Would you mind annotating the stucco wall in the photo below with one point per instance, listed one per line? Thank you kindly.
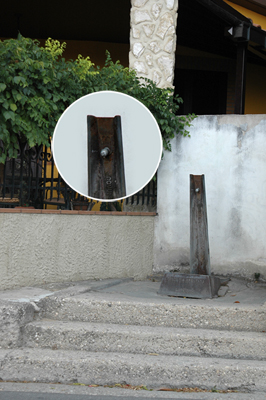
(153, 39)
(230, 151)
(52, 247)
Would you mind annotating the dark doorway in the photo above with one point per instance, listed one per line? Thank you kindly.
(203, 92)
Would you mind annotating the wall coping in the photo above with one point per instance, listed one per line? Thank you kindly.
(73, 212)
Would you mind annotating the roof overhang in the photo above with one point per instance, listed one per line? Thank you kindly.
(246, 35)
(239, 27)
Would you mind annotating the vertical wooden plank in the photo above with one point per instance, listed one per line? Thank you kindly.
(106, 176)
(199, 240)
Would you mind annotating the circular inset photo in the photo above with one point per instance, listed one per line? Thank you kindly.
(107, 146)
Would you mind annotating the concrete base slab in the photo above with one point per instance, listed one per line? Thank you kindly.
(189, 285)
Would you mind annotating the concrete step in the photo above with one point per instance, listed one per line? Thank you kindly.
(95, 337)
(65, 366)
(105, 308)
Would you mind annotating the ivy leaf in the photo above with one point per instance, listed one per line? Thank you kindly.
(17, 79)
(6, 105)
(8, 115)
(2, 87)
(2, 158)
(13, 107)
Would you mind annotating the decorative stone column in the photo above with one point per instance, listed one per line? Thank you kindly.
(153, 40)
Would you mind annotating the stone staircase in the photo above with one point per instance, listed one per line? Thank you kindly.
(108, 338)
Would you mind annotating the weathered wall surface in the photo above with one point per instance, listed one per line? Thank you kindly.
(39, 248)
(153, 39)
(230, 151)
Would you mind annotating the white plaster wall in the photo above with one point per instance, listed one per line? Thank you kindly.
(39, 248)
(230, 151)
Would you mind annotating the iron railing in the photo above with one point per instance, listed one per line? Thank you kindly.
(32, 179)
(145, 197)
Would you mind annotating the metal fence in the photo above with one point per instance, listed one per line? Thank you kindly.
(32, 180)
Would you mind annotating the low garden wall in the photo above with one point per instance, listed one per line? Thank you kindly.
(44, 246)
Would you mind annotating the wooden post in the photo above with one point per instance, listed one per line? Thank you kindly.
(199, 283)
(199, 241)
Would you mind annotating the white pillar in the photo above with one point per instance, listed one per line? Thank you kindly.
(153, 40)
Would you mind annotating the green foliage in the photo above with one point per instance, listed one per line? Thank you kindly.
(37, 84)
(55, 48)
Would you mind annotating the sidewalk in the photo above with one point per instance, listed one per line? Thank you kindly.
(237, 293)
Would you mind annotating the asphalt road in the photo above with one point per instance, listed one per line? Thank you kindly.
(58, 396)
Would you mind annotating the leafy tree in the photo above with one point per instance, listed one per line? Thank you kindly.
(37, 84)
